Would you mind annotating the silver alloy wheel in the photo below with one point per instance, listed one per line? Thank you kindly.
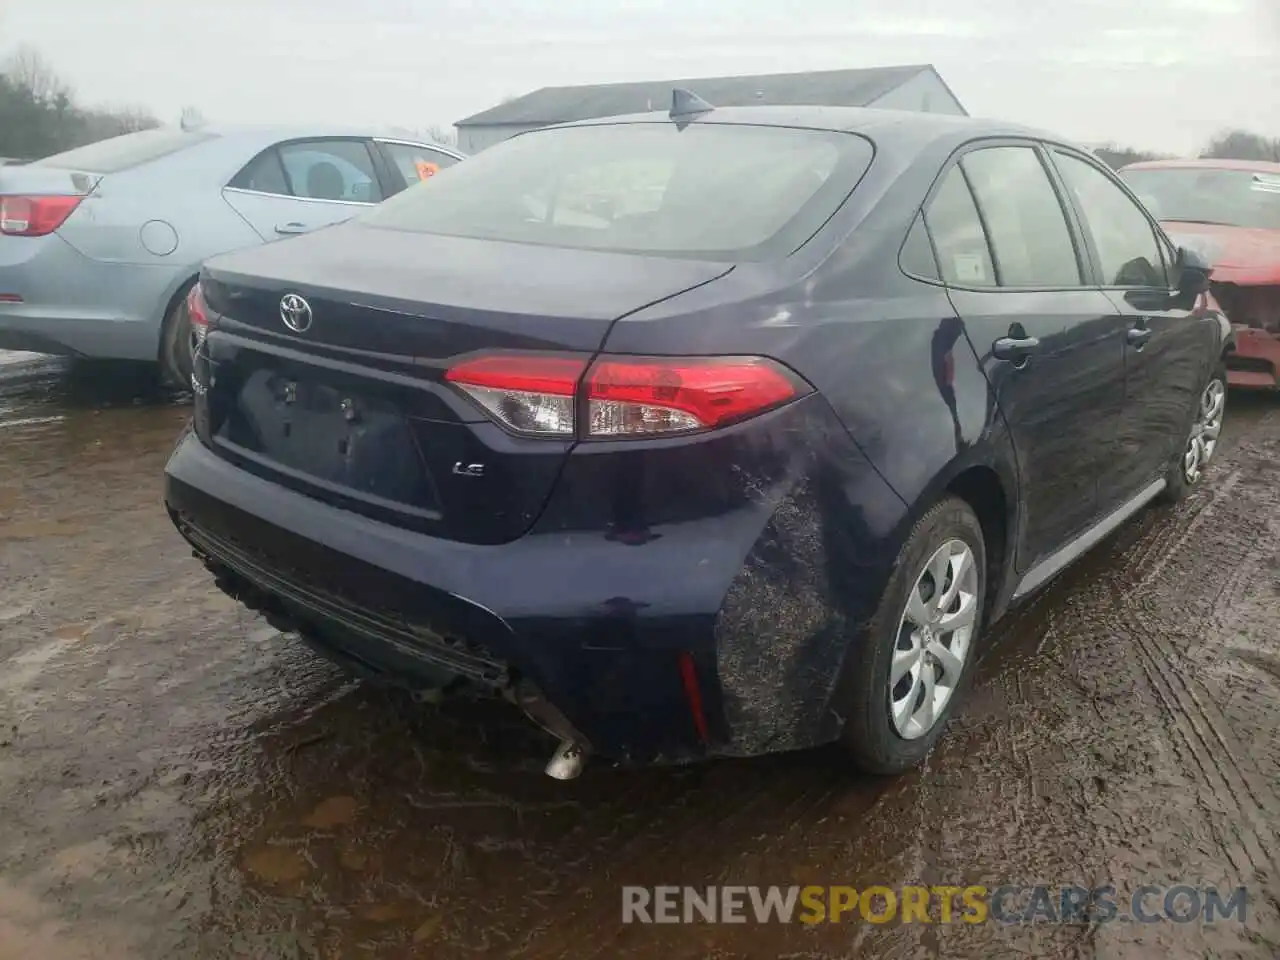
(934, 638)
(1205, 432)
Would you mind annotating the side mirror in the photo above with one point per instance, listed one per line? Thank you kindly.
(1193, 272)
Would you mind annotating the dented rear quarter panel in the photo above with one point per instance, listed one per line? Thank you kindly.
(908, 409)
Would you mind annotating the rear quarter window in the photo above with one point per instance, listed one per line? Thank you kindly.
(953, 221)
(917, 258)
(121, 153)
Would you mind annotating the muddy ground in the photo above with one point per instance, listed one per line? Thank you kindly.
(178, 780)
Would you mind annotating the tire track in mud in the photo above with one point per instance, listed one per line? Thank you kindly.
(1145, 560)
(1197, 727)
(1114, 627)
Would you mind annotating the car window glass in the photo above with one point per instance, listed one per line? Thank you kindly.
(599, 193)
(917, 255)
(264, 174)
(331, 170)
(1235, 198)
(708, 191)
(952, 218)
(416, 162)
(1122, 235)
(1028, 229)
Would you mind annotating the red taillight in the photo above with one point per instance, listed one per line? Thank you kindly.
(634, 396)
(35, 216)
(624, 396)
(198, 312)
(528, 394)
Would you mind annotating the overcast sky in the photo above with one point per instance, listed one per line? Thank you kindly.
(1162, 74)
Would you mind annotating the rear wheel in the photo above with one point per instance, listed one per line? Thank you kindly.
(177, 346)
(907, 672)
(1188, 468)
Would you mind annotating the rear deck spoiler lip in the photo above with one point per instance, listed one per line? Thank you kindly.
(33, 181)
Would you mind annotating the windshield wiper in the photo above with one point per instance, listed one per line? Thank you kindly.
(1211, 223)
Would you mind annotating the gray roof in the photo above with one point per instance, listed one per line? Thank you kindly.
(831, 88)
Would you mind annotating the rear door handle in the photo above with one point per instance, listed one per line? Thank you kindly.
(1138, 336)
(1015, 348)
(289, 229)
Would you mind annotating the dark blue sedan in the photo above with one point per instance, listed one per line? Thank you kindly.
(714, 433)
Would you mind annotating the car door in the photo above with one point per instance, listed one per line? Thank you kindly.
(1168, 351)
(411, 163)
(298, 186)
(1050, 343)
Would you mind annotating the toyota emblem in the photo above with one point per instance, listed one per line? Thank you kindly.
(295, 312)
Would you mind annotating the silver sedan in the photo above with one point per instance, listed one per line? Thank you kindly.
(100, 245)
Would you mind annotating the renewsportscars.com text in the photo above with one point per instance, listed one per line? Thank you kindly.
(1008, 904)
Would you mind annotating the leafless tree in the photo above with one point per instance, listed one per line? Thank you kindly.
(442, 136)
(1117, 156)
(39, 116)
(1243, 145)
(28, 69)
(433, 133)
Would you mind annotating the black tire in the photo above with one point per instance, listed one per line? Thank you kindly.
(176, 346)
(871, 737)
(1181, 479)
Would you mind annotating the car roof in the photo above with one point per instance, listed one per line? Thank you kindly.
(265, 135)
(880, 124)
(1206, 163)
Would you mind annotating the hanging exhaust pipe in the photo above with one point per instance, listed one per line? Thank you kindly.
(567, 762)
(570, 757)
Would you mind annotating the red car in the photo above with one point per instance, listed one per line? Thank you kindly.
(1228, 211)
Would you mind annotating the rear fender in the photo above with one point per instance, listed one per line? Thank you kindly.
(810, 585)
(806, 588)
(997, 460)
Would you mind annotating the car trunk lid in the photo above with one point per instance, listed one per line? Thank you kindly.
(351, 405)
(39, 181)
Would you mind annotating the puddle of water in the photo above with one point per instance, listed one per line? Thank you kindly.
(29, 422)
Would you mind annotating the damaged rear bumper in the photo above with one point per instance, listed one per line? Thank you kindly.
(1255, 360)
(713, 635)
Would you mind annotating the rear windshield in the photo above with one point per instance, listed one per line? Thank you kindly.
(120, 153)
(709, 191)
(1236, 198)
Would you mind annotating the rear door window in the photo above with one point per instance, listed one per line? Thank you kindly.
(339, 170)
(1025, 221)
(121, 153)
(335, 170)
(414, 161)
(964, 258)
